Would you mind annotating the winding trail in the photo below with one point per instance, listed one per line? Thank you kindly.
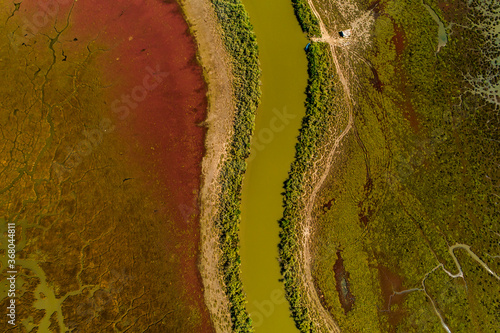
(321, 316)
(472, 255)
(460, 274)
(316, 307)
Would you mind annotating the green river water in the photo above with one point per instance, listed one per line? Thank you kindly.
(284, 79)
(48, 302)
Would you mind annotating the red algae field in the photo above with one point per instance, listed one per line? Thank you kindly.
(101, 121)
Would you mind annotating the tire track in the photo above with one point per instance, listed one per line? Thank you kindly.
(327, 322)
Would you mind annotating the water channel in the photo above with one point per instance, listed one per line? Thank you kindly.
(284, 79)
(442, 35)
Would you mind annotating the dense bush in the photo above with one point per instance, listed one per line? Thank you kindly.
(307, 20)
(241, 45)
(319, 91)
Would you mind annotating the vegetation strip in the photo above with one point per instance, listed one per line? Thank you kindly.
(314, 127)
(320, 91)
(418, 169)
(308, 22)
(240, 42)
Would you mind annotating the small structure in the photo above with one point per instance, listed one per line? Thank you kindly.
(345, 33)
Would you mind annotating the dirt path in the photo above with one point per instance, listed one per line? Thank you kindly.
(360, 25)
(217, 69)
(466, 247)
(322, 314)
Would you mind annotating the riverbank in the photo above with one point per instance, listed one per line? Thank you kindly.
(294, 256)
(370, 215)
(217, 70)
(327, 120)
(233, 98)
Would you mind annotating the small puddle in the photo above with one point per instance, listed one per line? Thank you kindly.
(346, 297)
(442, 35)
(391, 285)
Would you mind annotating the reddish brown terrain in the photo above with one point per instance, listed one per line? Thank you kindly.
(113, 232)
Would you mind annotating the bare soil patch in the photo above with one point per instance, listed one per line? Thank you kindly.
(220, 115)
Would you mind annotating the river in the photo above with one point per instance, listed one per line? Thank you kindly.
(284, 79)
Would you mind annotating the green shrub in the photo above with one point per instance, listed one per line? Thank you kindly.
(308, 22)
(319, 91)
(241, 45)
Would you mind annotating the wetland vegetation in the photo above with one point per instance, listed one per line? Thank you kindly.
(390, 219)
(320, 112)
(240, 42)
(307, 20)
(414, 177)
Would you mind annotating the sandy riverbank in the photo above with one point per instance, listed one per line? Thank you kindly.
(217, 70)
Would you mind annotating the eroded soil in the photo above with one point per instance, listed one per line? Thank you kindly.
(102, 140)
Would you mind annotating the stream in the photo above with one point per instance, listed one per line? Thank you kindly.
(284, 79)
